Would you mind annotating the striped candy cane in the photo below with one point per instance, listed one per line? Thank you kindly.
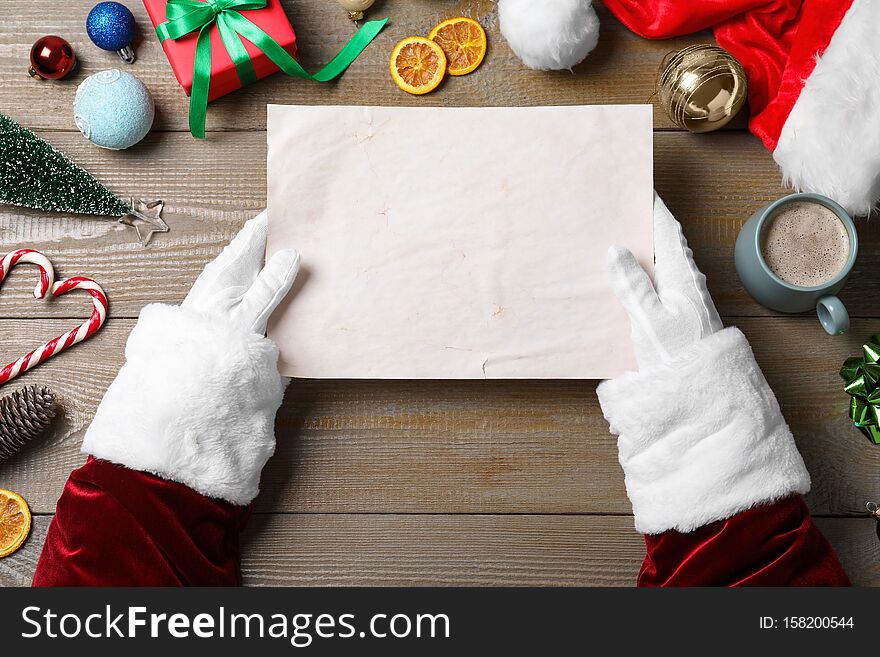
(47, 271)
(66, 340)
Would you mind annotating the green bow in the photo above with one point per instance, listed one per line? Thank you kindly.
(186, 16)
(862, 376)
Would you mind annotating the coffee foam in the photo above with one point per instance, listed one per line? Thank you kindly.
(805, 244)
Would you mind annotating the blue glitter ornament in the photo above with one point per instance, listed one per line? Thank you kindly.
(113, 109)
(111, 26)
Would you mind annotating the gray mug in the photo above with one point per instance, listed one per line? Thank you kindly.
(771, 291)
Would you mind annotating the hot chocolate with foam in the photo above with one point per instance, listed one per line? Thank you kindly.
(805, 244)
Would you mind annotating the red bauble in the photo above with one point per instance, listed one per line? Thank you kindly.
(51, 58)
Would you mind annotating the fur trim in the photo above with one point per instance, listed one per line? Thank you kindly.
(551, 34)
(195, 403)
(701, 438)
(830, 143)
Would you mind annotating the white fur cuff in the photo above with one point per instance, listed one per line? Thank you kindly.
(701, 438)
(195, 403)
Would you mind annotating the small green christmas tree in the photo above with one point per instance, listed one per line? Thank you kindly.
(35, 175)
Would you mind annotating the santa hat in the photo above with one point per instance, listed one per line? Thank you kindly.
(814, 81)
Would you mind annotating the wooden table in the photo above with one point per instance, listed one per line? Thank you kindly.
(409, 482)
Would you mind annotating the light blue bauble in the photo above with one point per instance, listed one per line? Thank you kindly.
(113, 109)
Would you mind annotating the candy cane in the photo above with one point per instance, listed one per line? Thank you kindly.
(47, 271)
(66, 340)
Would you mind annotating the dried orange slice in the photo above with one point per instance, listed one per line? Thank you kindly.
(15, 522)
(417, 65)
(464, 42)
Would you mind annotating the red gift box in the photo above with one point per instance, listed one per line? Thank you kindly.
(224, 78)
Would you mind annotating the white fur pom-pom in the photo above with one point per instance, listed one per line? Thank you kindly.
(549, 34)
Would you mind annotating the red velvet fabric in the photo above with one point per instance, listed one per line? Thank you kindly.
(118, 527)
(772, 545)
(775, 40)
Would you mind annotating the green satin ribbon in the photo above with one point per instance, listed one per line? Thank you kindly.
(862, 376)
(186, 16)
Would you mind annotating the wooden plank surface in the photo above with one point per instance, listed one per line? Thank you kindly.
(467, 446)
(408, 482)
(712, 183)
(621, 70)
(468, 550)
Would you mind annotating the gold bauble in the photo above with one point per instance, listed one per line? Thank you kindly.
(701, 87)
(356, 8)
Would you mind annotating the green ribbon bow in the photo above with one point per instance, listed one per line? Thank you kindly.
(862, 376)
(186, 16)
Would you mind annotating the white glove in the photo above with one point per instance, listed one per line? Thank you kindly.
(701, 436)
(676, 310)
(196, 399)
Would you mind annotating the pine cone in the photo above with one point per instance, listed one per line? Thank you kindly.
(24, 415)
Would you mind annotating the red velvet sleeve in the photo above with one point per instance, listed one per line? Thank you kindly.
(773, 545)
(119, 527)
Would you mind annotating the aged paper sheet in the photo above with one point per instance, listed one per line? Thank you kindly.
(457, 242)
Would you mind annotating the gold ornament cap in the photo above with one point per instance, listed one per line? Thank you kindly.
(356, 8)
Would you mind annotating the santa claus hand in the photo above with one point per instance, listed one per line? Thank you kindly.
(676, 310)
(196, 399)
(238, 287)
(701, 436)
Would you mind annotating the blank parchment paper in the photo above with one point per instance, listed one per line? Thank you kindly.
(457, 243)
